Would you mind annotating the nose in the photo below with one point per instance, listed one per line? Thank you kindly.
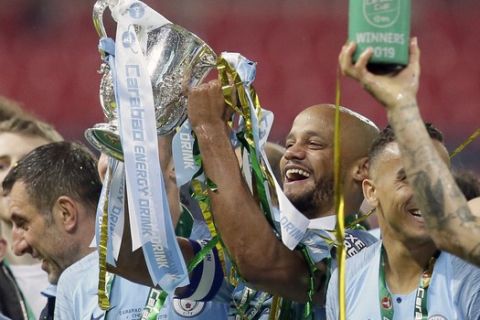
(295, 151)
(19, 245)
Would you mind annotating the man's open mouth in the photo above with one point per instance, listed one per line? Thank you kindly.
(296, 174)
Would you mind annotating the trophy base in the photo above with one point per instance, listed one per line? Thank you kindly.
(105, 138)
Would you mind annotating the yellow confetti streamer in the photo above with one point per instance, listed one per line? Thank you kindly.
(103, 300)
(339, 206)
(466, 143)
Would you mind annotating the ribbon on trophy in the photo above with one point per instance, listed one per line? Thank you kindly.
(188, 168)
(100, 241)
(108, 235)
(151, 224)
(112, 200)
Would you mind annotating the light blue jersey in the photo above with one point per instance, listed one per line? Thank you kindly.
(184, 309)
(180, 309)
(77, 294)
(253, 304)
(454, 291)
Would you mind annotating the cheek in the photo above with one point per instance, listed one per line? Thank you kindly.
(322, 167)
(34, 238)
(384, 201)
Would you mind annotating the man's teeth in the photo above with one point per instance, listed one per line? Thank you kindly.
(291, 172)
(416, 212)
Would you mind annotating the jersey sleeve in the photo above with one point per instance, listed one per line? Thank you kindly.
(206, 278)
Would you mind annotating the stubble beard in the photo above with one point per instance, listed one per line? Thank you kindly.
(312, 202)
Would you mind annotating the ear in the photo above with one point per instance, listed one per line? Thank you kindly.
(370, 192)
(360, 169)
(66, 210)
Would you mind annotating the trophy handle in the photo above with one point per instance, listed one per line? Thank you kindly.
(97, 17)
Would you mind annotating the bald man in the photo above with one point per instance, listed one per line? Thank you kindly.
(307, 172)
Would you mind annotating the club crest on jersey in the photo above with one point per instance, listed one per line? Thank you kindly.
(437, 317)
(188, 308)
(386, 303)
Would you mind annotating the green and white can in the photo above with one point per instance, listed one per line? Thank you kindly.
(383, 25)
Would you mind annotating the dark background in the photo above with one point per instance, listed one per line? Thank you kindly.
(49, 58)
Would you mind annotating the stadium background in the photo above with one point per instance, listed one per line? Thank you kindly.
(49, 58)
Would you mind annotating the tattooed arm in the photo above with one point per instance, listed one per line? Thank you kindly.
(453, 222)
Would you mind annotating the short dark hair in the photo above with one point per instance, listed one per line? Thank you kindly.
(387, 135)
(56, 169)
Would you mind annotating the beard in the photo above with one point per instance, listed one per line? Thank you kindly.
(314, 200)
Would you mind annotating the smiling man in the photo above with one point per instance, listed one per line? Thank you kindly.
(262, 260)
(453, 222)
(404, 276)
(307, 169)
(307, 164)
(53, 209)
(19, 134)
(52, 196)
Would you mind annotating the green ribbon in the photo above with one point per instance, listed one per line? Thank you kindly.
(386, 302)
(156, 297)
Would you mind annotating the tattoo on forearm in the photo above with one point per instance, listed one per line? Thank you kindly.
(431, 196)
(465, 215)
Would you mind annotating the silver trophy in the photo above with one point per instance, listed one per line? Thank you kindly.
(175, 58)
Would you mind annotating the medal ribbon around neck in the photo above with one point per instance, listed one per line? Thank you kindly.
(420, 311)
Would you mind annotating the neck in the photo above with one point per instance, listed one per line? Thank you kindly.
(404, 264)
(350, 207)
(81, 242)
(79, 253)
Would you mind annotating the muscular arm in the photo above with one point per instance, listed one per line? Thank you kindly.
(453, 223)
(261, 258)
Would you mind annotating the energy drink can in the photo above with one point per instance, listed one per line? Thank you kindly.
(383, 25)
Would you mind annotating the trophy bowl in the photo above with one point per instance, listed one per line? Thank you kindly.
(176, 59)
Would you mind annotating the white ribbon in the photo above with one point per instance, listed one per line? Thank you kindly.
(151, 224)
(116, 219)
